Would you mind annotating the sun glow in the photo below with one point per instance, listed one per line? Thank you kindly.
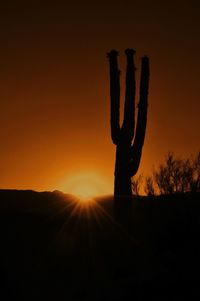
(86, 185)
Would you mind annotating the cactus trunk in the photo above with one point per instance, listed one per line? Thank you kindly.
(128, 152)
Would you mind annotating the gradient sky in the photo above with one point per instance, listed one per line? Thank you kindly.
(54, 85)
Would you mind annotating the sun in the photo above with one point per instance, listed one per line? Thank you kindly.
(86, 190)
(86, 185)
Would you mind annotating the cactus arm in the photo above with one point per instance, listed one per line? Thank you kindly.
(135, 163)
(114, 96)
(129, 106)
(136, 149)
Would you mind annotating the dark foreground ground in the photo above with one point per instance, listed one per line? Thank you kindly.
(53, 248)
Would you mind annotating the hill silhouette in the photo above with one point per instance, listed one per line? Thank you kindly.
(55, 248)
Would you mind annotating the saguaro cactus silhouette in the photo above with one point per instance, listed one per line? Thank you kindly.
(128, 152)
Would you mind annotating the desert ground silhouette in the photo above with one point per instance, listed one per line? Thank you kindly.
(54, 247)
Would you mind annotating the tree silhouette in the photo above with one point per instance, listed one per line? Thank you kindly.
(128, 153)
(177, 175)
(149, 186)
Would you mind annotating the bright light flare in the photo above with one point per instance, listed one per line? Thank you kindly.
(86, 185)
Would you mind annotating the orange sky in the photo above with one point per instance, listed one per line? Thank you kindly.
(54, 85)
